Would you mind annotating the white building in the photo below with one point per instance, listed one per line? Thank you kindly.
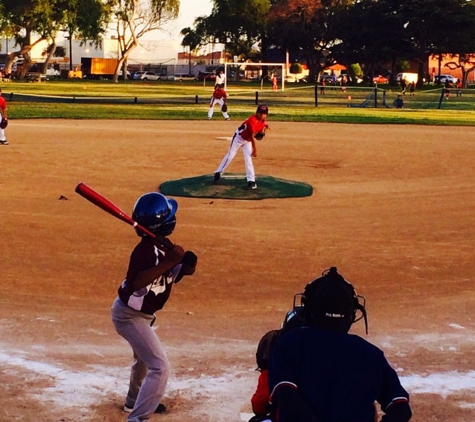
(148, 52)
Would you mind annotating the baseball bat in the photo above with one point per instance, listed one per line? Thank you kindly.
(104, 204)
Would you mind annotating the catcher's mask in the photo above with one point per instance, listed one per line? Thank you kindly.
(294, 319)
(331, 302)
(156, 213)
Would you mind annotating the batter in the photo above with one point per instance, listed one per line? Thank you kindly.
(150, 277)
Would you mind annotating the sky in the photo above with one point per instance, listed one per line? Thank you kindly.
(189, 11)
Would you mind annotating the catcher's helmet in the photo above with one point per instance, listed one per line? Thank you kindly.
(156, 213)
(331, 302)
(294, 319)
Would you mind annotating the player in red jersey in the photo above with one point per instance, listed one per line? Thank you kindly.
(3, 116)
(244, 138)
(219, 97)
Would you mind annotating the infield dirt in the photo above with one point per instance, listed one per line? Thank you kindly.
(392, 208)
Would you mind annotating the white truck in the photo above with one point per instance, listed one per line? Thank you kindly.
(409, 77)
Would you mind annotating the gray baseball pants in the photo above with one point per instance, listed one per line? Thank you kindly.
(151, 368)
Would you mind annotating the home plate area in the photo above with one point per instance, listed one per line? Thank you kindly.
(233, 186)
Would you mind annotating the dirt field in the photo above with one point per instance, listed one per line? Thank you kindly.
(393, 209)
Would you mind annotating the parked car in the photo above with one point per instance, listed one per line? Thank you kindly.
(293, 78)
(329, 79)
(128, 75)
(441, 79)
(53, 73)
(35, 77)
(146, 76)
(182, 77)
(380, 79)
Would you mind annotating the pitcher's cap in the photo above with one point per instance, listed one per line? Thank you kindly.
(262, 109)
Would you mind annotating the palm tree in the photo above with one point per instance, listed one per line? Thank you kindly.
(190, 40)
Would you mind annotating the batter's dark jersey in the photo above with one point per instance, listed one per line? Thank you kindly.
(338, 375)
(154, 296)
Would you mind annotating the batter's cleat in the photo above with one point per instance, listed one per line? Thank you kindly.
(209, 118)
(5, 142)
(227, 118)
(160, 409)
(216, 178)
(251, 185)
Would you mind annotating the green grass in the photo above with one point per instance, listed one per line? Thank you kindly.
(189, 101)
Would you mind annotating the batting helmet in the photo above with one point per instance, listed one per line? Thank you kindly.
(156, 213)
(331, 302)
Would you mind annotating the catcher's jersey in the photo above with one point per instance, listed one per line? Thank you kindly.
(338, 375)
(154, 296)
(252, 125)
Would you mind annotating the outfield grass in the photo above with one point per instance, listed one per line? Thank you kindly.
(189, 101)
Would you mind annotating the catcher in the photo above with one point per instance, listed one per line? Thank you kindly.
(252, 129)
(219, 97)
(3, 119)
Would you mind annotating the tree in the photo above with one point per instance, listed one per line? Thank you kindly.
(464, 62)
(85, 20)
(436, 27)
(371, 34)
(461, 43)
(135, 18)
(21, 19)
(306, 26)
(190, 40)
(239, 24)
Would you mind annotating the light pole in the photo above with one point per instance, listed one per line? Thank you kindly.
(70, 50)
(6, 51)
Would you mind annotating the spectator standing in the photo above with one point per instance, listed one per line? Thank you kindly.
(403, 86)
(459, 88)
(274, 82)
(343, 82)
(322, 86)
(447, 87)
(220, 78)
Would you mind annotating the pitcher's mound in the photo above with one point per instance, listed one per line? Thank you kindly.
(233, 186)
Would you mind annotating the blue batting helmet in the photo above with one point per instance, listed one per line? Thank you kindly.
(156, 213)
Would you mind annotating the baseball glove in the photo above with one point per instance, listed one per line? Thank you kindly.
(3, 123)
(260, 135)
(224, 108)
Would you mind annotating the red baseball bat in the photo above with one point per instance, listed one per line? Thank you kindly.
(104, 204)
